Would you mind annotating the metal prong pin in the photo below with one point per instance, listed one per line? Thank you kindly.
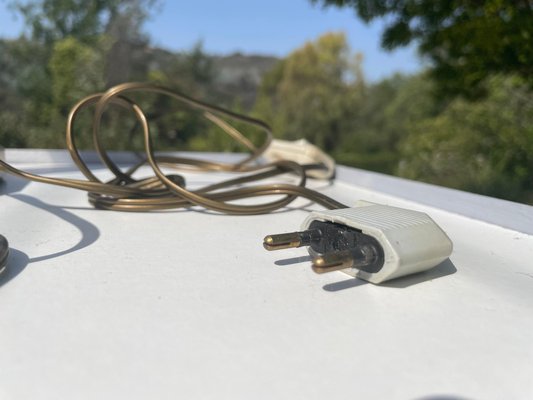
(290, 240)
(333, 262)
(358, 257)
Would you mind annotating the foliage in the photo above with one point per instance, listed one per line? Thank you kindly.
(467, 41)
(484, 147)
(399, 126)
(75, 70)
(382, 119)
(52, 20)
(312, 92)
(10, 101)
(318, 92)
(72, 49)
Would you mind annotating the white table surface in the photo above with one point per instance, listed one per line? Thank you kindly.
(188, 305)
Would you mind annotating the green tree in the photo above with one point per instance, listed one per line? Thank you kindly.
(467, 41)
(71, 48)
(51, 20)
(192, 73)
(76, 69)
(484, 146)
(12, 121)
(313, 92)
(383, 119)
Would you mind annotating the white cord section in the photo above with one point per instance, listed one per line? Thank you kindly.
(301, 152)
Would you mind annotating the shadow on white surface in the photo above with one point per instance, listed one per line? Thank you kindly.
(293, 260)
(197, 209)
(89, 232)
(16, 262)
(445, 268)
(12, 184)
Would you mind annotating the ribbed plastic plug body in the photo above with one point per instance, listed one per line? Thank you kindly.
(411, 241)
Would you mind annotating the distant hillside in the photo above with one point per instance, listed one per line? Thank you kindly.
(238, 67)
(240, 75)
(234, 77)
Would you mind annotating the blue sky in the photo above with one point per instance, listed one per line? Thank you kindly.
(272, 27)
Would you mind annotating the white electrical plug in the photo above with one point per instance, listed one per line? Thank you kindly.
(373, 242)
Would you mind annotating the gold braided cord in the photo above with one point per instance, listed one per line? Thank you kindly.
(168, 191)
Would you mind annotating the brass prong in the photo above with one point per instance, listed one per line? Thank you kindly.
(282, 241)
(332, 262)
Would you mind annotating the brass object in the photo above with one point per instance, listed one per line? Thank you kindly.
(332, 262)
(161, 191)
(282, 241)
(290, 240)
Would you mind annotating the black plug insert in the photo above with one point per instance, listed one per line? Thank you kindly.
(336, 246)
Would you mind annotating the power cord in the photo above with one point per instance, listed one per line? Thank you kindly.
(162, 191)
(363, 248)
